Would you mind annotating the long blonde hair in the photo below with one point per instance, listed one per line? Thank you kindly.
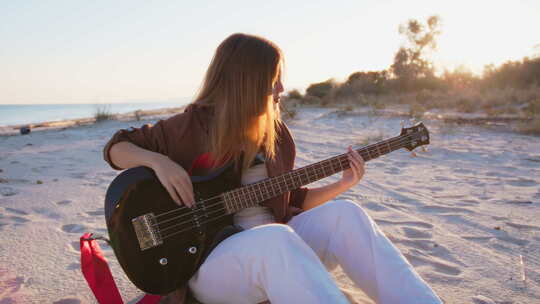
(238, 85)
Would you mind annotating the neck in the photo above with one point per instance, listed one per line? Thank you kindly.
(251, 195)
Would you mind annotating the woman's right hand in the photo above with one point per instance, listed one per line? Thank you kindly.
(175, 179)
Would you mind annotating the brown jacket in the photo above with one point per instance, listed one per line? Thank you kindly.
(181, 137)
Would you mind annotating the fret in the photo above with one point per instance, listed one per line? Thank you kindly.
(264, 190)
(260, 192)
(241, 198)
(292, 180)
(369, 155)
(301, 174)
(285, 181)
(235, 199)
(249, 193)
(278, 184)
(272, 184)
(323, 169)
(388, 145)
(375, 152)
(314, 174)
(340, 164)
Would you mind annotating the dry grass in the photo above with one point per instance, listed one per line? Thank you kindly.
(102, 113)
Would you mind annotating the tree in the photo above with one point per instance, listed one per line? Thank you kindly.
(320, 89)
(410, 61)
(372, 82)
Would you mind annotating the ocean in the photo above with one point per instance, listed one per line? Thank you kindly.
(26, 114)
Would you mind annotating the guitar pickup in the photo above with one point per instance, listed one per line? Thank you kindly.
(147, 232)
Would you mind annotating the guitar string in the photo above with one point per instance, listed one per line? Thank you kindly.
(194, 226)
(317, 168)
(336, 166)
(191, 220)
(243, 196)
(400, 139)
(366, 148)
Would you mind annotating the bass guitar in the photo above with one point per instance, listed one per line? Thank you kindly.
(160, 245)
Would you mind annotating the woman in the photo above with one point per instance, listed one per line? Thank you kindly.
(291, 242)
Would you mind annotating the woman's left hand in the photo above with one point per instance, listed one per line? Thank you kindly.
(355, 173)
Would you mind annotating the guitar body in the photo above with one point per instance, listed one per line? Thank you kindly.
(186, 239)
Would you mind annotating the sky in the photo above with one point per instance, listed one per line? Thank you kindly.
(101, 51)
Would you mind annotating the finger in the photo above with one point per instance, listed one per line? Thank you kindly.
(188, 186)
(353, 166)
(357, 156)
(183, 190)
(359, 168)
(359, 161)
(173, 194)
(187, 193)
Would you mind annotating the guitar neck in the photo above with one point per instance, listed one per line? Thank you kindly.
(253, 194)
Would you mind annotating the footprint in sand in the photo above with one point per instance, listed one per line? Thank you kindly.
(73, 266)
(392, 170)
(79, 175)
(441, 178)
(433, 262)
(96, 213)
(374, 206)
(16, 211)
(17, 219)
(74, 228)
(522, 182)
(68, 301)
(405, 223)
(523, 226)
(443, 209)
(477, 239)
(397, 206)
(64, 202)
(75, 246)
(8, 191)
(414, 233)
(47, 213)
(467, 203)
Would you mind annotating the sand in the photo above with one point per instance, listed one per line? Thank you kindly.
(462, 213)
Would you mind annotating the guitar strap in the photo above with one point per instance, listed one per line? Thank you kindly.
(98, 275)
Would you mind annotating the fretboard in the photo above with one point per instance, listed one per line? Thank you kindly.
(253, 194)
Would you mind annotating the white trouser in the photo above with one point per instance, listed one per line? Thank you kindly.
(286, 263)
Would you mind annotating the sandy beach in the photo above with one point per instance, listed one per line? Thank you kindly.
(463, 213)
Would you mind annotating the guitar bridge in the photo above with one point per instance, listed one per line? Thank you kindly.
(147, 231)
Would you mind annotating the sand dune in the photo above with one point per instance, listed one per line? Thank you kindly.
(462, 213)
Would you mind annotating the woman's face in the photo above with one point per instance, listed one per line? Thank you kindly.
(277, 89)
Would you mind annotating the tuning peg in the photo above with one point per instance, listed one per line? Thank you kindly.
(413, 154)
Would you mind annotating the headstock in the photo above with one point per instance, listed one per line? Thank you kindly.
(416, 136)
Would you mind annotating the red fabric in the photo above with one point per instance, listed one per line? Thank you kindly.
(98, 275)
(203, 161)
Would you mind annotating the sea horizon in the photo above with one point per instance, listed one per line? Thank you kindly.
(20, 114)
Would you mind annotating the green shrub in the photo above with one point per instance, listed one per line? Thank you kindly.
(295, 94)
(321, 89)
